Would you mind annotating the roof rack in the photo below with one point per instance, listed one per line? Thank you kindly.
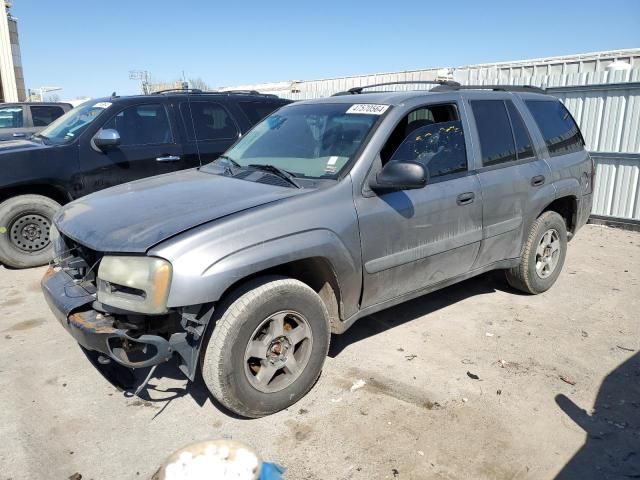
(358, 90)
(501, 88)
(180, 90)
(223, 92)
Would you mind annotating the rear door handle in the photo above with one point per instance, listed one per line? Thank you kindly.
(168, 158)
(465, 198)
(537, 180)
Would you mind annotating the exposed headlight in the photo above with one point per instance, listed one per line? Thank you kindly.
(138, 284)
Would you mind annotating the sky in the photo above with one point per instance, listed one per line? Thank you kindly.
(88, 47)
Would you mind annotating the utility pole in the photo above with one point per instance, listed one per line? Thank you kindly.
(43, 90)
(144, 77)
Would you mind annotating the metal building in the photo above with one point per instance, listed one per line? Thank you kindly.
(11, 75)
(602, 91)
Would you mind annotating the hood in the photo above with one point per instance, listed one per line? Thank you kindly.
(134, 217)
(16, 146)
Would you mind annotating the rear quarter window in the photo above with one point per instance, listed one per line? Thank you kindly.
(559, 130)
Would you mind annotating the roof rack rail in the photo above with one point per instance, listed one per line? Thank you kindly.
(358, 90)
(501, 88)
(221, 92)
(181, 90)
(247, 92)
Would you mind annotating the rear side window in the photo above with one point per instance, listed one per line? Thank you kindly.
(43, 115)
(256, 111)
(210, 120)
(559, 131)
(524, 148)
(11, 117)
(496, 139)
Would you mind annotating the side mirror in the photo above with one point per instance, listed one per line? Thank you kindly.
(106, 138)
(400, 175)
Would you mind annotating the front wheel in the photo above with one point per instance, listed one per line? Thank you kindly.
(267, 347)
(543, 255)
(25, 224)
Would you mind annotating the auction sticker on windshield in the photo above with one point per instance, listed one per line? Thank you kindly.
(102, 105)
(368, 108)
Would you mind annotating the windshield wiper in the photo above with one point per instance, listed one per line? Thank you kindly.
(228, 170)
(40, 137)
(279, 172)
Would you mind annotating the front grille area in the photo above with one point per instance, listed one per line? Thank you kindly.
(78, 261)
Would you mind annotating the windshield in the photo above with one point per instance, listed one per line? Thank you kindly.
(315, 140)
(67, 128)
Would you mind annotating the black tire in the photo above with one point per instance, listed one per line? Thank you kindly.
(525, 276)
(224, 367)
(25, 221)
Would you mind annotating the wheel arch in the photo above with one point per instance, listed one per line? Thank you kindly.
(567, 208)
(53, 192)
(316, 272)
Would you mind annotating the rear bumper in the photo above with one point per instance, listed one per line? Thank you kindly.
(71, 304)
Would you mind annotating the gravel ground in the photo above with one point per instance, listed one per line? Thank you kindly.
(474, 381)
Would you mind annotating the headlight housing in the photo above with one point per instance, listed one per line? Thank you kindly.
(138, 284)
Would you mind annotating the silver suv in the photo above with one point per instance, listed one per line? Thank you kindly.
(325, 212)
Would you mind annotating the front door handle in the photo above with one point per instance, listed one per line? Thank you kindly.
(19, 135)
(168, 158)
(465, 198)
(537, 180)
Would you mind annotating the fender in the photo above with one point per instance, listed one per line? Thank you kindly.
(219, 276)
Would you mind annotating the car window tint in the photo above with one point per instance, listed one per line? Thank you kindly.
(560, 132)
(11, 117)
(210, 120)
(142, 125)
(256, 111)
(524, 148)
(43, 115)
(494, 129)
(438, 146)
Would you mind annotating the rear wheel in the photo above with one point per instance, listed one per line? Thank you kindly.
(267, 347)
(25, 223)
(543, 255)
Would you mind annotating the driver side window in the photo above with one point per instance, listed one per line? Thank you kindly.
(432, 136)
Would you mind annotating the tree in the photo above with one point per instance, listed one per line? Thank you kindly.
(199, 84)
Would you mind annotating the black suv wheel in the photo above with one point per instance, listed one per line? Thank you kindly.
(25, 223)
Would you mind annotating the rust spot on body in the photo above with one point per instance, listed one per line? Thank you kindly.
(48, 274)
(99, 326)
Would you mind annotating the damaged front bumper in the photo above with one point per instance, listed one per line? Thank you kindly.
(73, 305)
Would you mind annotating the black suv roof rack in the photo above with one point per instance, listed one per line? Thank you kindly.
(501, 88)
(358, 90)
(224, 92)
(179, 90)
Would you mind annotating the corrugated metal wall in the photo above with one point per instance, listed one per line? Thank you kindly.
(606, 105)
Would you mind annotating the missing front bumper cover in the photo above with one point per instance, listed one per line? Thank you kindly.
(98, 332)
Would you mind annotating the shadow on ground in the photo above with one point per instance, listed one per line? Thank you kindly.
(612, 445)
(127, 380)
(380, 322)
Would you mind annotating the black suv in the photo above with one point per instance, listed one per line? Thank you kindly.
(108, 141)
(21, 120)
